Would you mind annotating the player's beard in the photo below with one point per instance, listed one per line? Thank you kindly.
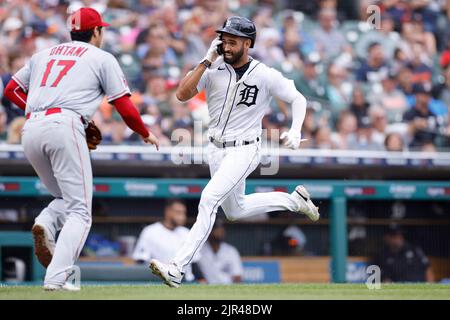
(235, 57)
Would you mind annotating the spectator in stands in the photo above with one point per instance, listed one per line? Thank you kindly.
(359, 106)
(322, 138)
(11, 35)
(195, 47)
(423, 35)
(246, 8)
(220, 262)
(386, 36)
(330, 41)
(338, 90)
(371, 135)
(158, 40)
(110, 122)
(16, 62)
(374, 68)
(3, 128)
(419, 65)
(390, 98)
(442, 91)
(161, 239)
(412, 34)
(345, 137)
(267, 49)
(427, 11)
(397, 9)
(156, 93)
(405, 80)
(394, 142)
(423, 123)
(291, 48)
(401, 261)
(15, 131)
(295, 36)
(309, 83)
(399, 61)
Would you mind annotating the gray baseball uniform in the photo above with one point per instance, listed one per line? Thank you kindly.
(65, 86)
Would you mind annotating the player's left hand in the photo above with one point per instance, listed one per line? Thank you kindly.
(152, 139)
(293, 138)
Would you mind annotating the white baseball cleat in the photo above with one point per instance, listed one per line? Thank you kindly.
(168, 273)
(65, 287)
(44, 244)
(305, 205)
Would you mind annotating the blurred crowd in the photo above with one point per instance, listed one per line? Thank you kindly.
(375, 77)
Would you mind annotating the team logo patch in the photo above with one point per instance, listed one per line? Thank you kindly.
(248, 95)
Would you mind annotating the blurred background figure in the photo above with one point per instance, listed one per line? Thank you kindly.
(401, 261)
(330, 41)
(161, 239)
(3, 127)
(290, 242)
(220, 262)
(423, 123)
(15, 131)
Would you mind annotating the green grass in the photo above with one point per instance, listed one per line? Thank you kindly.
(238, 292)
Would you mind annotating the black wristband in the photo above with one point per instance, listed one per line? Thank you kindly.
(206, 63)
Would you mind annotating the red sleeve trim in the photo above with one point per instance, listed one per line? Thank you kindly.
(14, 93)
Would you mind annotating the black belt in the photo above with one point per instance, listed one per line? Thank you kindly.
(234, 143)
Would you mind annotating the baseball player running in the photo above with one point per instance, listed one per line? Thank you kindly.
(238, 90)
(60, 88)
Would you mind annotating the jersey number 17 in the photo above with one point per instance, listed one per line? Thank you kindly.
(66, 64)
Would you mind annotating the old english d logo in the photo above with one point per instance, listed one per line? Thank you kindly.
(248, 95)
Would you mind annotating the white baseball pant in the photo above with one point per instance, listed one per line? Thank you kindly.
(55, 145)
(229, 168)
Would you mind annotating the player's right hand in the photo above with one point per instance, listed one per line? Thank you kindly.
(293, 139)
(152, 140)
(212, 54)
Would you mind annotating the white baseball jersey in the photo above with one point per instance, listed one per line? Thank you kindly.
(236, 108)
(222, 266)
(158, 242)
(73, 75)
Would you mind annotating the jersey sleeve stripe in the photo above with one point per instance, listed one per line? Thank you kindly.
(119, 95)
(18, 96)
(24, 87)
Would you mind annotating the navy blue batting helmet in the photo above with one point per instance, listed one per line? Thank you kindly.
(241, 27)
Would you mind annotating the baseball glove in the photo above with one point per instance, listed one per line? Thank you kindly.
(93, 135)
